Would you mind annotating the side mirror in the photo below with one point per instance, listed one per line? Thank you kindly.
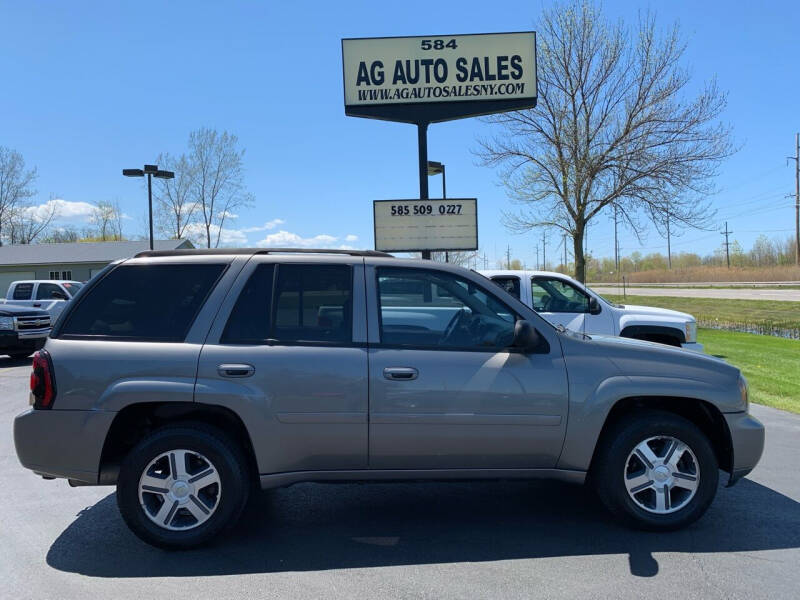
(594, 306)
(525, 335)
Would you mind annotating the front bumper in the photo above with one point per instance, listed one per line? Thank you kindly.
(747, 443)
(694, 346)
(62, 443)
(23, 340)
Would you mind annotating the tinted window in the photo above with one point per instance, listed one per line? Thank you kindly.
(557, 295)
(45, 291)
(313, 303)
(509, 284)
(23, 291)
(249, 320)
(440, 310)
(144, 302)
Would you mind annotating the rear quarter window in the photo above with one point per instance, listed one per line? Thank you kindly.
(155, 303)
(23, 291)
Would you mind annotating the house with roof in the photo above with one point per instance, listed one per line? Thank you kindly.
(77, 261)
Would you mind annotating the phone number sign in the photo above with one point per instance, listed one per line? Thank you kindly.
(417, 225)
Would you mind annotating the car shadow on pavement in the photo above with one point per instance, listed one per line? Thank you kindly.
(321, 526)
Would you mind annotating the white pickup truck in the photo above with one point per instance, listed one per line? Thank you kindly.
(50, 294)
(564, 301)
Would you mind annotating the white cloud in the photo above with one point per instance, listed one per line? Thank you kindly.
(65, 209)
(287, 239)
(265, 227)
(351, 238)
(229, 237)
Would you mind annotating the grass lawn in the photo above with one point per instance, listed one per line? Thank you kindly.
(771, 364)
(716, 313)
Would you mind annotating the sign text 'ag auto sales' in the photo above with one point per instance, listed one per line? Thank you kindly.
(436, 78)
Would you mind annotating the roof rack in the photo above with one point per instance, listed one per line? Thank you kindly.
(253, 251)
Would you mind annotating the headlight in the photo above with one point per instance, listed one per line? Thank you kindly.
(691, 332)
(744, 392)
(6, 322)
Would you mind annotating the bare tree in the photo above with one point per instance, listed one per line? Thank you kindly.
(218, 179)
(106, 219)
(27, 223)
(613, 128)
(15, 185)
(175, 203)
(60, 235)
(460, 258)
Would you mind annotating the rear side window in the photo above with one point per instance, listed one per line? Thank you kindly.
(23, 291)
(155, 303)
(313, 303)
(249, 321)
(309, 303)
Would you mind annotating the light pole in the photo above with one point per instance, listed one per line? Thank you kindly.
(434, 168)
(151, 171)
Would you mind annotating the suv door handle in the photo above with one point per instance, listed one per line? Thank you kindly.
(37, 304)
(236, 370)
(400, 373)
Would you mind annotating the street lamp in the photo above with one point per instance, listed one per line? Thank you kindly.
(434, 168)
(151, 171)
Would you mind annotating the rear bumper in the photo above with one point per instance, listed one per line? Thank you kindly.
(694, 346)
(747, 443)
(62, 443)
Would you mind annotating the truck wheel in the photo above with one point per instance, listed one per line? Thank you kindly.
(656, 471)
(182, 485)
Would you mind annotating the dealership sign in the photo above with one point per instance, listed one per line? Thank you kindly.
(437, 78)
(426, 225)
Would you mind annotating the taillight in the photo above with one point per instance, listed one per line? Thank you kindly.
(43, 383)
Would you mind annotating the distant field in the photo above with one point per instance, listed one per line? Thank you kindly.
(771, 365)
(708, 274)
(758, 316)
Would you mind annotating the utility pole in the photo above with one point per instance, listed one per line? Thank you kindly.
(796, 159)
(508, 257)
(537, 257)
(565, 254)
(669, 249)
(544, 250)
(616, 242)
(726, 233)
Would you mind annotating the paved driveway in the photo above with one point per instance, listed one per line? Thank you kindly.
(431, 540)
(789, 295)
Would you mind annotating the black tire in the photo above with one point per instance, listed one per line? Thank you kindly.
(225, 455)
(609, 468)
(20, 355)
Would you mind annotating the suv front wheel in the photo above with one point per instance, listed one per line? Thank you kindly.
(182, 485)
(657, 471)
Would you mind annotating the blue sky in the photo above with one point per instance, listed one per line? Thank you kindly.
(90, 88)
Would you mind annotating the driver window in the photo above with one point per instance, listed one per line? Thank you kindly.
(509, 284)
(436, 309)
(557, 296)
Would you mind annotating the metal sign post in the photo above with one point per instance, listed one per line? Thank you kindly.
(422, 143)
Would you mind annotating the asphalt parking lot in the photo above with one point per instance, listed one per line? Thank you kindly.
(454, 540)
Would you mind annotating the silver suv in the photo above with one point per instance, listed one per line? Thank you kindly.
(185, 377)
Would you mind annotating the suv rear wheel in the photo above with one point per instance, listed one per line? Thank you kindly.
(182, 485)
(658, 471)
